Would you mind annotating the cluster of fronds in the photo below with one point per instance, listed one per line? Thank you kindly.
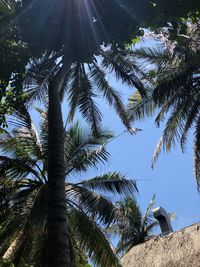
(174, 90)
(23, 188)
(86, 82)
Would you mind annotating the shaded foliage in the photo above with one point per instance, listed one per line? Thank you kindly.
(24, 194)
(14, 56)
(80, 27)
(133, 228)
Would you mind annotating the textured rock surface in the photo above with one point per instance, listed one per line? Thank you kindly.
(178, 249)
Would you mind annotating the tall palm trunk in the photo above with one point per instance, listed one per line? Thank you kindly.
(57, 245)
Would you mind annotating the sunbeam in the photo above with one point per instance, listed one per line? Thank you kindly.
(78, 27)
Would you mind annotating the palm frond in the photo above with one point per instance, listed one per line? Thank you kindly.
(172, 131)
(81, 95)
(98, 248)
(190, 120)
(132, 227)
(155, 56)
(176, 88)
(38, 75)
(109, 93)
(7, 5)
(83, 150)
(147, 220)
(177, 84)
(115, 183)
(73, 91)
(93, 204)
(43, 133)
(197, 153)
(123, 69)
(140, 108)
(32, 214)
(25, 131)
(22, 118)
(130, 213)
(16, 168)
(129, 225)
(157, 152)
(86, 159)
(34, 252)
(78, 140)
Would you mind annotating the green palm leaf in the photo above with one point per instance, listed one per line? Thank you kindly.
(92, 203)
(123, 69)
(110, 94)
(24, 202)
(175, 92)
(82, 95)
(16, 168)
(197, 153)
(91, 237)
(132, 227)
(115, 183)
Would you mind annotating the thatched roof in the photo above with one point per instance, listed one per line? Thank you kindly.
(178, 249)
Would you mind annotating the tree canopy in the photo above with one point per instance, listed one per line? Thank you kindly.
(77, 28)
(81, 27)
(76, 32)
(14, 57)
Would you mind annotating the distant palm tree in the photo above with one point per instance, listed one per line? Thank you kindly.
(133, 228)
(23, 191)
(175, 92)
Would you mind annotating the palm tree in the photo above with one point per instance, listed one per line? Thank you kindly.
(24, 203)
(75, 31)
(133, 228)
(175, 92)
(81, 81)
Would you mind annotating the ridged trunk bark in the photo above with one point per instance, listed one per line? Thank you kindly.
(58, 244)
(15, 247)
